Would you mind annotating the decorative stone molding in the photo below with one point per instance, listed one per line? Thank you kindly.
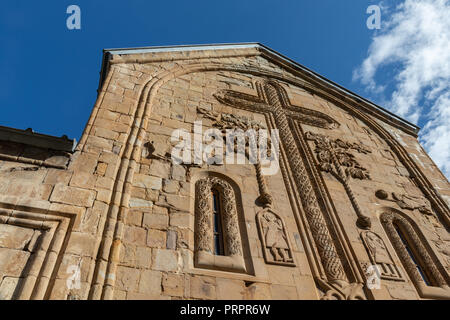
(439, 288)
(380, 256)
(334, 157)
(262, 102)
(233, 259)
(273, 234)
(50, 233)
(342, 290)
(229, 121)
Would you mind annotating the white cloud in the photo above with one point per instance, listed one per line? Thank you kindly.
(415, 40)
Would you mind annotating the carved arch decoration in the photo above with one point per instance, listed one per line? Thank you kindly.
(50, 231)
(380, 256)
(438, 288)
(103, 279)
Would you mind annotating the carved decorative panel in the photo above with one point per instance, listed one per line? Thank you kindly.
(272, 99)
(334, 156)
(233, 259)
(204, 216)
(439, 287)
(407, 202)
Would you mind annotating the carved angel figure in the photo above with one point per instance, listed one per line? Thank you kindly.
(380, 257)
(275, 237)
(410, 203)
(377, 248)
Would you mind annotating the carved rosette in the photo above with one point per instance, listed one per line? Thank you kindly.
(388, 220)
(204, 211)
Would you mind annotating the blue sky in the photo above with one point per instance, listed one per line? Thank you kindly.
(49, 74)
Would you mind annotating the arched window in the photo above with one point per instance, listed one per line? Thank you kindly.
(420, 263)
(217, 236)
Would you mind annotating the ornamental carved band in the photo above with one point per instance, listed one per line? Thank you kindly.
(204, 216)
(392, 219)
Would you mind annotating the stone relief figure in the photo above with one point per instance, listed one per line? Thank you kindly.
(407, 202)
(276, 247)
(380, 256)
(335, 156)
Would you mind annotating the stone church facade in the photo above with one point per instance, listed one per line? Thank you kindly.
(356, 210)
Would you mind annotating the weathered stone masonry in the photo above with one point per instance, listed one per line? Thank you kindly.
(115, 218)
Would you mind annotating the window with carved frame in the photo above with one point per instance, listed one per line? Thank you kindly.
(217, 235)
(422, 266)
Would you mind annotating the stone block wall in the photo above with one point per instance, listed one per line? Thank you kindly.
(118, 219)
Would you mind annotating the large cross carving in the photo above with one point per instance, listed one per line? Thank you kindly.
(272, 98)
(271, 94)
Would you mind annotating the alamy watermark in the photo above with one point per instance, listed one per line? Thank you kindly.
(373, 274)
(73, 21)
(374, 20)
(256, 146)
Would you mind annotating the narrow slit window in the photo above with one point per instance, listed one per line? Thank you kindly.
(217, 223)
(412, 256)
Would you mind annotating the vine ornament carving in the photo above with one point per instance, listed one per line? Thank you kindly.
(334, 156)
(272, 99)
